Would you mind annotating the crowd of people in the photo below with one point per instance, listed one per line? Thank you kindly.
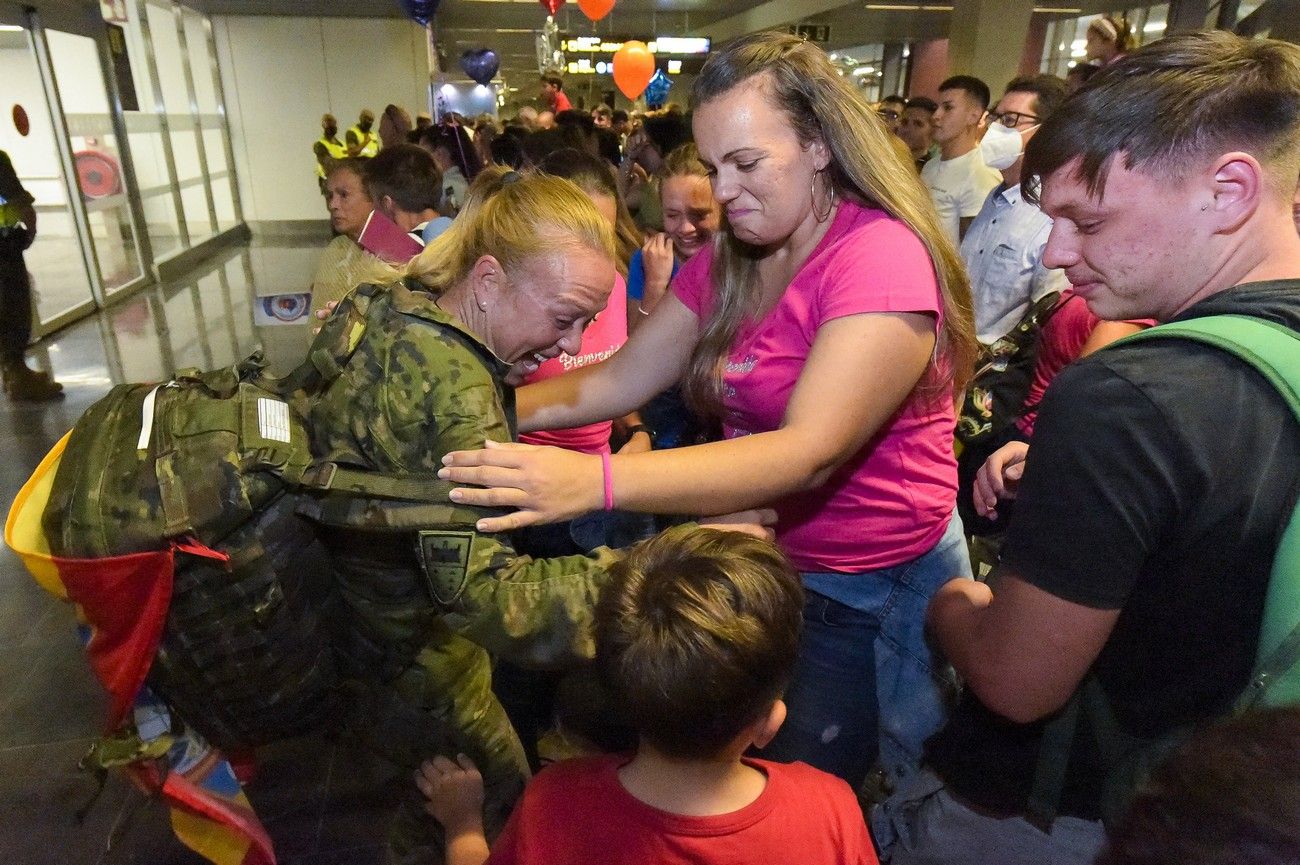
(1000, 564)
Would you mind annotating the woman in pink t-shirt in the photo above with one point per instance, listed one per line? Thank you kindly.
(822, 331)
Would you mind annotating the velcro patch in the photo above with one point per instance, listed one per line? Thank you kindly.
(444, 557)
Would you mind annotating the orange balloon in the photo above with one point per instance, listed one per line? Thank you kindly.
(634, 66)
(596, 9)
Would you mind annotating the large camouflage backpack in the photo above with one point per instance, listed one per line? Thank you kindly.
(209, 463)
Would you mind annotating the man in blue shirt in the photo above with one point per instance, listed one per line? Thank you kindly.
(1003, 248)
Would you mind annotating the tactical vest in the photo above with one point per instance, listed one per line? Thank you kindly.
(371, 140)
(336, 151)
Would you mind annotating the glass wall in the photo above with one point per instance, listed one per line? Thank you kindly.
(125, 144)
(61, 274)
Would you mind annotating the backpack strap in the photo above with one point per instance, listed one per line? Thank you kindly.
(325, 476)
(1274, 352)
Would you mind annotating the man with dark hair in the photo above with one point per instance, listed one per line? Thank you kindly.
(916, 128)
(405, 184)
(959, 180)
(890, 110)
(1003, 251)
(1003, 248)
(553, 94)
(619, 122)
(1161, 474)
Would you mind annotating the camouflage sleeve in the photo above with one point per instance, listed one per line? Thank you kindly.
(532, 612)
(438, 397)
(416, 393)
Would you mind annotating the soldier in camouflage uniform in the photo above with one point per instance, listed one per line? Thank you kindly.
(427, 597)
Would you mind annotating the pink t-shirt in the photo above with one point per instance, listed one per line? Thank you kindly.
(891, 501)
(577, 811)
(603, 337)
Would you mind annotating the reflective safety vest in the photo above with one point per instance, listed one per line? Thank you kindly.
(10, 214)
(336, 149)
(371, 147)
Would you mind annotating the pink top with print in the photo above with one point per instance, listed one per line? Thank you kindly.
(602, 338)
(891, 501)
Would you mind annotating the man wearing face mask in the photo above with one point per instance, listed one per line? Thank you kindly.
(1011, 291)
(1003, 247)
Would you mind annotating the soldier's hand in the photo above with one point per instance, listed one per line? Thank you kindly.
(454, 792)
(757, 522)
(328, 310)
(999, 478)
(545, 484)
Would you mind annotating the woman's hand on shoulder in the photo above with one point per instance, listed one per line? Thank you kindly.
(544, 484)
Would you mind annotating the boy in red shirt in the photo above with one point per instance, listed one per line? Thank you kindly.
(696, 636)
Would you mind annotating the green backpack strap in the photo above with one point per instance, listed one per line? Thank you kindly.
(1274, 352)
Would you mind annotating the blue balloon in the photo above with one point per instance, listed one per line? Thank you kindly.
(420, 11)
(656, 92)
(480, 64)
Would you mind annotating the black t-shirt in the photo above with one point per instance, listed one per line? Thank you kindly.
(1159, 482)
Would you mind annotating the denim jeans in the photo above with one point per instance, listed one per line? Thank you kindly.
(867, 685)
(922, 824)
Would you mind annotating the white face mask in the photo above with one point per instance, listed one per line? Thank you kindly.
(1001, 146)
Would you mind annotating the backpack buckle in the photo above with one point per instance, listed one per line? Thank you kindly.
(320, 476)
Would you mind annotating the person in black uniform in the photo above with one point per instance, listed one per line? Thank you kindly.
(17, 231)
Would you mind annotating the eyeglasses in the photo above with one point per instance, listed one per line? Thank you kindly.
(1012, 119)
(888, 115)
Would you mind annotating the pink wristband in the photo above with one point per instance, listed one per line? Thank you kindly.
(609, 481)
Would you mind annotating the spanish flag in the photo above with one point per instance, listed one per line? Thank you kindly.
(123, 601)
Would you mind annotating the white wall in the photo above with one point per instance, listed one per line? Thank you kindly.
(281, 74)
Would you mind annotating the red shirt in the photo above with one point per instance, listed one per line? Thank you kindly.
(577, 812)
(1059, 345)
(561, 102)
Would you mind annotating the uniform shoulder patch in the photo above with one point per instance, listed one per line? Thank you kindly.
(444, 557)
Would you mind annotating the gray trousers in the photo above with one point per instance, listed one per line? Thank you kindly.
(922, 824)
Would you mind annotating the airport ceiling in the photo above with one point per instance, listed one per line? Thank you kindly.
(509, 26)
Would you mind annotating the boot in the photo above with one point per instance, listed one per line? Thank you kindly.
(24, 384)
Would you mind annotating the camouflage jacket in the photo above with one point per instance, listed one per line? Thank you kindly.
(418, 386)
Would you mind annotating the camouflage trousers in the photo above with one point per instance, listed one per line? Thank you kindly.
(418, 690)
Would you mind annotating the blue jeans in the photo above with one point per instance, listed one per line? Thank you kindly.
(867, 685)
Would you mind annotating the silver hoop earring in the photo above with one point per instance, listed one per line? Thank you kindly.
(830, 207)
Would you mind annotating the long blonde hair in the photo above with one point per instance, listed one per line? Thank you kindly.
(864, 166)
(511, 216)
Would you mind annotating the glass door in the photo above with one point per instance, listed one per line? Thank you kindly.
(96, 157)
(64, 277)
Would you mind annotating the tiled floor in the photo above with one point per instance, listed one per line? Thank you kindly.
(321, 802)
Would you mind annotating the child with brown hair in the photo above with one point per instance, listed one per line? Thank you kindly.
(696, 637)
